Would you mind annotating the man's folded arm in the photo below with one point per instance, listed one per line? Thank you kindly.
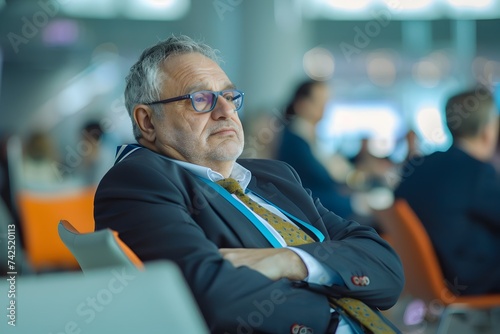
(369, 268)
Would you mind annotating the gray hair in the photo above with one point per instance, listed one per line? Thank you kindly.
(145, 79)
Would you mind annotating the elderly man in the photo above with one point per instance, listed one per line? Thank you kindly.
(260, 254)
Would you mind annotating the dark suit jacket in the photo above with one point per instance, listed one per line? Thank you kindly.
(458, 200)
(162, 211)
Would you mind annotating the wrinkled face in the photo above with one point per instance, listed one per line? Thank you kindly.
(206, 139)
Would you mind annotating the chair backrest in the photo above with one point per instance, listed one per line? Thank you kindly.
(103, 301)
(98, 249)
(407, 235)
(39, 214)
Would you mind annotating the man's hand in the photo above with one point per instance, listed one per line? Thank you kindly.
(274, 263)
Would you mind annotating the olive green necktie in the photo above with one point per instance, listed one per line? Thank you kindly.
(294, 236)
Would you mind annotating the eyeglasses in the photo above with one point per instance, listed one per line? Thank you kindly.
(206, 100)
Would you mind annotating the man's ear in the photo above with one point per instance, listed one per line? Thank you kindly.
(143, 116)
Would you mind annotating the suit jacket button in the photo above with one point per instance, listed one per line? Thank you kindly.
(305, 330)
(299, 284)
(299, 329)
(295, 329)
(365, 280)
(356, 280)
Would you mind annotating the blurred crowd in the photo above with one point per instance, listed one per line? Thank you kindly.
(43, 164)
(351, 185)
(454, 191)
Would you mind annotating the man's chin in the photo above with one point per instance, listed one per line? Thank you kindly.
(228, 152)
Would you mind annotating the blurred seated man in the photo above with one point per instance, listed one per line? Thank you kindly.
(456, 194)
(167, 197)
(297, 147)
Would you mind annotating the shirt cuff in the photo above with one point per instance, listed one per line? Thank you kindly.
(317, 272)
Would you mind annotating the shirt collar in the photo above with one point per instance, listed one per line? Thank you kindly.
(239, 173)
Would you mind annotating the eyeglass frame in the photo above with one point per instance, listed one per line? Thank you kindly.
(190, 96)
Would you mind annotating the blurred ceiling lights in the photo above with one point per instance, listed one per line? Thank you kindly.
(381, 68)
(319, 64)
(430, 123)
(427, 73)
(87, 88)
(412, 5)
(471, 3)
(131, 9)
(400, 9)
(60, 32)
(349, 5)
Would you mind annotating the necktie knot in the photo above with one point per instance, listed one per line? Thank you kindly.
(231, 185)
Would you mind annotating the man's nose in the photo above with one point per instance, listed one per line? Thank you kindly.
(223, 108)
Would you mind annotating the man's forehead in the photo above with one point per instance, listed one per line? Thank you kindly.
(195, 72)
(196, 86)
(193, 59)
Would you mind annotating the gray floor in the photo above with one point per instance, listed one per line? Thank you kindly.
(414, 318)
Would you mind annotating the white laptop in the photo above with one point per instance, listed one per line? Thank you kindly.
(112, 300)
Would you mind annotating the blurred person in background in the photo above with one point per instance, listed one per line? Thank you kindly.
(39, 162)
(96, 154)
(297, 146)
(370, 170)
(496, 156)
(456, 194)
(413, 143)
(8, 212)
(6, 177)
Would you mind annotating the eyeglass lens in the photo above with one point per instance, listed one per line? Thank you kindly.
(206, 100)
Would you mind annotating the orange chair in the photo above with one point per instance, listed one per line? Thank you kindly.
(98, 249)
(424, 277)
(39, 215)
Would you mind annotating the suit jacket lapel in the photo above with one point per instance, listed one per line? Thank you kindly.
(243, 229)
(282, 201)
(276, 197)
